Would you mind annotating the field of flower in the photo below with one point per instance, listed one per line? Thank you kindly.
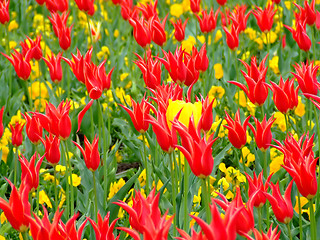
(155, 120)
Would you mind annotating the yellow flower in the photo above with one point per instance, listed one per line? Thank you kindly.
(300, 109)
(12, 44)
(188, 109)
(224, 183)
(62, 197)
(304, 201)
(61, 169)
(251, 108)
(76, 180)
(288, 4)
(247, 155)
(116, 33)
(280, 121)
(274, 64)
(276, 163)
(201, 38)
(188, 44)
(17, 118)
(4, 152)
(251, 33)
(115, 187)
(104, 53)
(270, 36)
(2, 237)
(243, 99)
(13, 25)
(38, 89)
(192, 222)
(43, 198)
(245, 55)
(218, 71)
(222, 131)
(176, 10)
(3, 218)
(123, 76)
(142, 178)
(259, 41)
(40, 104)
(216, 91)
(218, 36)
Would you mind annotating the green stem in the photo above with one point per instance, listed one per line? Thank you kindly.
(8, 51)
(69, 168)
(318, 132)
(28, 93)
(313, 43)
(146, 164)
(16, 166)
(38, 201)
(260, 218)
(92, 123)
(286, 117)
(300, 217)
(67, 183)
(289, 230)
(265, 165)
(313, 223)
(55, 187)
(92, 43)
(95, 196)
(173, 194)
(185, 199)
(25, 235)
(205, 198)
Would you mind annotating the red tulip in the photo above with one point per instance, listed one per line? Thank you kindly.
(1, 122)
(262, 133)
(197, 150)
(265, 17)
(192, 72)
(237, 132)
(306, 14)
(195, 6)
(30, 172)
(71, 229)
(141, 31)
(194, 235)
(59, 24)
(127, 10)
(300, 35)
(179, 29)
(276, 1)
(34, 45)
(91, 153)
(139, 114)
(232, 37)
(239, 17)
(56, 120)
(201, 58)
(285, 96)
(244, 222)
(206, 119)
(149, 10)
(225, 17)
(282, 207)
(16, 131)
(41, 2)
(257, 187)
(151, 69)
(306, 75)
(272, 234)
(4, 11)
(20, 63)
(57, 5)
(102, 229)
(86, 6)
(33, 128)
(221, 2)
(54, 65)
(145, 217)
(208, 22)
(52, 149)
(17, 210)
(157, 28)
(254, 71)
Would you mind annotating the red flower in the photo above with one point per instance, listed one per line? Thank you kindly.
(151, 69)
(306, 14)
(276, 1)
(141, 31)
(221, 2)
(59, 24)
(20, 63)
(237, 132)
(232, 37)
(244, 221)
(240, 18)
(208, 21)
(192, 73)
(282, 207)
(56, 120)
(158, 33)
(34, 45)
(285, 96)
(127, 10)
(91, 153)
(102, 229)
(54, 65)
(41, 2)
(254, 71)
(306, 75)
(206, 119)
(262, 133)
(52, 149)
(16, 131)
(139, 114)
(195, 5)
(257, 187)
(145, 216)
(33, 128)
(4, 11)
(1, 121)
(17, 210)
(272, 234)
(265, 17)
(201, 58)
(57, 5)
(72, 230)
(197, 150)
(86, 6)
(300, 35)
(29, 172)
(149, 10)
(179, 29)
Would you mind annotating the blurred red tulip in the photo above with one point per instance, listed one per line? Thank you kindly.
(157, 28)
(232, 37)
(237, 132)
(262, 133)
(195, 6)
(33, 128)
(34, 45)
(221, 2)
(206, 119)
(91, 153)
(54, 64)
(127, 9)
(57, 5)
(265, 17)
(20, 63)
(272, 234)
(4, 11)
(86, 6)
(300, 35)
(149, 10)
(208, 22)
(285, 96)
(141, 31)
(179, 29)
(1, 122)
(201, 58)
(52, 149)
(306, 14)
(16, 132)
(102, 229)
(239, 17)
(282, 207)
